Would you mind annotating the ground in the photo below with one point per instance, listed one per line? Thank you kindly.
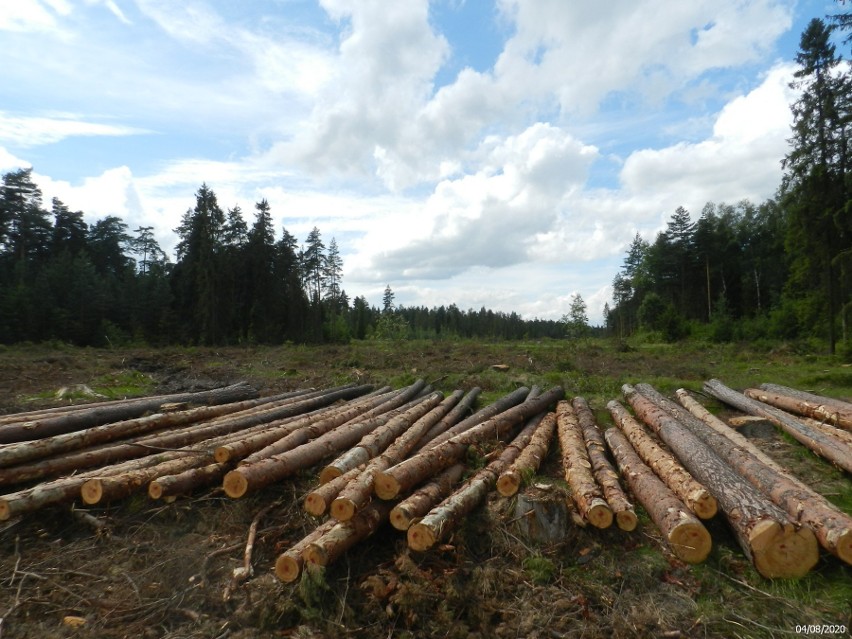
(138, 568)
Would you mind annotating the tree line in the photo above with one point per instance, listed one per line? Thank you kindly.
(778, 269)
(231, 282)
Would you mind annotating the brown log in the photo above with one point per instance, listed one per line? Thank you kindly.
(462, 410)
(429, 461)
(121, 410)
(695, 496)
(833, 450)
(530, 457)
(832, 527)
(821, 410)
(775, 546)
(604, 473)
(184, 482)
(684, 533)
(587, 495)
(358, 492)
(424, 498)
(844, 436)
(840, 404)
(289, 564)
(345, 534)
(320, 498)
(265, 471)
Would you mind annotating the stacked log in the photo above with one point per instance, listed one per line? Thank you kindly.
(530, 459)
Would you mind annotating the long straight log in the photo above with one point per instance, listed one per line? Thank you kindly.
(358, 492)
(684, 533)
(833, 450)
(530, 458)
(775, 546)
(672, 473)
(444, 517)
(319, 500)
(833, 528)
(185, 481)
(462, 410)
(587, 495)
(289, 564)
(831, 413)
(265, 471)
(604, 473)
(345, 534)
(404, 476)
(422, 500)
(78, 420)
(844, 436)
(840, 404)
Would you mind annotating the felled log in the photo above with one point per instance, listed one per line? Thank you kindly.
(604, 473)
(832, 527)
(319, 500)
(357, 493)
(424, 498)
(776, 546)
(263, 472)
(461, 411)
(113, 412)
(429, 461)
(841, 404)
(530, 458)
(844, 436)
(289, 564)
(587, 495)
(833, 450)
(443, 518)
(184, 482)
(684, 533)
(667, 467)
(821, 410)
(345, 534)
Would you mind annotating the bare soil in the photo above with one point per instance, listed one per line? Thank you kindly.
(142, 569)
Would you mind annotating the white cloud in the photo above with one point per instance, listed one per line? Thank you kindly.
(26, 15)
(26, 131)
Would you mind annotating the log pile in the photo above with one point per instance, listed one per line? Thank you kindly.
(401, 457)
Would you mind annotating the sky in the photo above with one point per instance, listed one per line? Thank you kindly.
(499, 154)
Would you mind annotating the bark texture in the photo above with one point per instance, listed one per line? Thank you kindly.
(530, 457)
(424, 498)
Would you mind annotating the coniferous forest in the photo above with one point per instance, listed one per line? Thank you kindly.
(779, 269)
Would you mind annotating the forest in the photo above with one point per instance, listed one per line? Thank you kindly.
(779, 269)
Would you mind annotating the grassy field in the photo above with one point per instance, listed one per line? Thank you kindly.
(161, 570)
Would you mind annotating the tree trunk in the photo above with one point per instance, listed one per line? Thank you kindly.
(833, 450)
(587, 495)
(604, 473)
(115, 411)
(845, 436)
(832, 527)
(345, 534)
(831, 402)
(357, 493)
(320, 498)
(184, 482)
(401, 478)
(830, 413)
(685, 534)
(462, 409)
(530, 458)
(668, 468)
(776, 547)
(289, 564)
(423, 499)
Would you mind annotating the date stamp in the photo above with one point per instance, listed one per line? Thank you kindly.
(821, 629)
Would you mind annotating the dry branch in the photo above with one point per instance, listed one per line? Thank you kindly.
(684, 533)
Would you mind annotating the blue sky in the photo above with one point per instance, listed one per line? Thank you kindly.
(499, 154)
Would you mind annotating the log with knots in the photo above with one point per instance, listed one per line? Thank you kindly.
(403, 457)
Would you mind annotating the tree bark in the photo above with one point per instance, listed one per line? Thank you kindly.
(289, 564)
(831, 402)
(776, 547)
(345, 534)
(695, 496)
(423, 499)
(182, 483)
(456, 415)
(401, 478)
(832, 527)
(684, 533)
(115, 411)
(604, 473)
(319, 500)
(587, 495)
(832, 449)
(530, 458)
(830, 413)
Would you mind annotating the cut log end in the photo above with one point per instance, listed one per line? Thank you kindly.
(600, 516)
(5, 511)
(328, 473)
(316, 555)
(235, 484)
(385, 485)
(288, 567)
(842, 546)
(222, 454)
(315, 505)
(509, 483)
(782, 552)
(690, 542)
(400, 519)
(155, 491)
(92, 491)
(343, 509)
(626, 520)
(704, 505)
(420, 537)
